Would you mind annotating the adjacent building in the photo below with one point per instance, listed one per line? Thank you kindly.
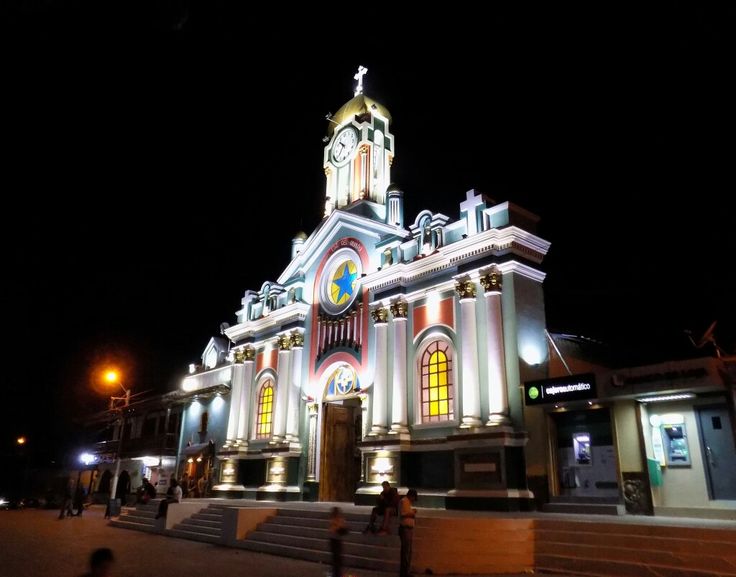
(654, 439)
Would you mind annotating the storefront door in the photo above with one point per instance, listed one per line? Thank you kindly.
(719, 452)
(586, 458)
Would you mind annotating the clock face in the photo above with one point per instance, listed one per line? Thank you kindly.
(344, 145)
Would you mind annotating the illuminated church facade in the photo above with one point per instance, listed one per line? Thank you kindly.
(389, 348)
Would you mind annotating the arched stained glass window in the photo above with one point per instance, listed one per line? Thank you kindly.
(264, 421)
(438, 397)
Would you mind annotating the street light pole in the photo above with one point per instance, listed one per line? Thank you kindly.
(112, 377)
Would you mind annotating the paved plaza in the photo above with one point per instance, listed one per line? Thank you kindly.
(36, 544)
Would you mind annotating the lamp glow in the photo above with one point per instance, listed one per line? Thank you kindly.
(21, 440)
(531, 354)
(87, 459)
(112, 376)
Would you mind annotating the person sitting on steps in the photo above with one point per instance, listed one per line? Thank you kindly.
(388, 500)
(173, 495)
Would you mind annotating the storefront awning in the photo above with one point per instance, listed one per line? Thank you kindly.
(198, 448)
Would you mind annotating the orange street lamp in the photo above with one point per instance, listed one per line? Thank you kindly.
(21, 440)
(112, 377)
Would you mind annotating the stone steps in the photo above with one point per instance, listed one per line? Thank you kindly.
(126, 524)
(142, 518)
(194, 535)
(628, 550)
(582, 508)
(205, 526)
(304, 535)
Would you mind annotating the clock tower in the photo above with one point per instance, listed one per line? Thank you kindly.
(359, 152)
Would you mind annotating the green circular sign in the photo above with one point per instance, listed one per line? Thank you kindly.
(533, 393)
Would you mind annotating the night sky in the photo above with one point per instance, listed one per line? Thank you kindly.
(159, 157)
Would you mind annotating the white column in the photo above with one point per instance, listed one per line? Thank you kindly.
(236, 388)
(498, 397)
(246, 408)
(469, 355)
(282, 388)
(398, 397)
(295, 388)
(380, 418)
(312, 409)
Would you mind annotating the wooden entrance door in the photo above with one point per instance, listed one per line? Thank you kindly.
(338, 474)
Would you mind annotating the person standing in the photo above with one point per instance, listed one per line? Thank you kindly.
(66, 502)
(79, 498)
(407, 516)
(337, 529)
(202, 486)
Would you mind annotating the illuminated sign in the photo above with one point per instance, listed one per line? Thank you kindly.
(560, 390)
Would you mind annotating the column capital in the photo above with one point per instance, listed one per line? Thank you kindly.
(465, 289)
(380, 315)
(284, 343)
(297, 339)
(399, 310)
(245, 354)
(492, 281)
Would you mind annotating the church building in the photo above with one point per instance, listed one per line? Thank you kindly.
(390, 348)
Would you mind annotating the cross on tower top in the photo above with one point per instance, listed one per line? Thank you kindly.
(359, 77)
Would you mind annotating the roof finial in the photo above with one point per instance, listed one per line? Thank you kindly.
(359, 77)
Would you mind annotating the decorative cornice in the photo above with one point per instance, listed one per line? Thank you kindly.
(329, 230)
(399, 309)
(492, 281)
(495, 242)
(296, 311)
(465, 289)
(380, 315)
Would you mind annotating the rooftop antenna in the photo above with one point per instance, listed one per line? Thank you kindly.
(708, 337)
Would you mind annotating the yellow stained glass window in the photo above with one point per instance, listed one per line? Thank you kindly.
(265, 410)
(437, 389)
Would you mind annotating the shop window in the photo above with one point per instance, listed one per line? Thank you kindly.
(436, 379)
(264, 421)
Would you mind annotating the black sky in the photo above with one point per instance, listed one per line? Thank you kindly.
(159, 157)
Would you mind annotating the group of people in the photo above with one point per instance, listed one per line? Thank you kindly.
(389, 505)
(74, 499)
(192, 488)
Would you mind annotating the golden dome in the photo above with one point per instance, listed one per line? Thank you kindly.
(357, 106)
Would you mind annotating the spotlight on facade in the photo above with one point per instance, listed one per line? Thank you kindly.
(86, 459)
